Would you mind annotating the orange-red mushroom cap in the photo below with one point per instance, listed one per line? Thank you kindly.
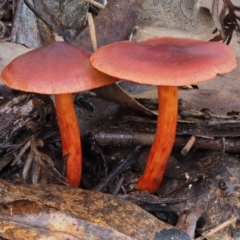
(164, 61)
(54, 69)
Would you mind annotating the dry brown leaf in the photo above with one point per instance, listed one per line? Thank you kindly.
(8, 51)
(118, 95)
(114, 23)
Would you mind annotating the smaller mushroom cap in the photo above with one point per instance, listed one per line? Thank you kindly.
(56, 68)
(164, 61)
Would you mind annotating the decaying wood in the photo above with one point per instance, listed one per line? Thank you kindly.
(73, 212)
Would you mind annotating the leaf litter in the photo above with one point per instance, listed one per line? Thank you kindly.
(211, 182)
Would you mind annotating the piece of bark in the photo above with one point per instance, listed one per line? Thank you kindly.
(86, 213)
(114, 23)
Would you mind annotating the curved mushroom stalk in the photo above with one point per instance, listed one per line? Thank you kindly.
(163, 141)
(70, 137)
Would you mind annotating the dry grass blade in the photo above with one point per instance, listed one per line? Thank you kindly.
(92, 31)
(216, 17)
(36, 172)
(196, 9)
(42, 157)
(27, 165)
(185, 11)
(191, 16)
(23, 150)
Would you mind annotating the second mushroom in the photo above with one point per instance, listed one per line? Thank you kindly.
(167, 63)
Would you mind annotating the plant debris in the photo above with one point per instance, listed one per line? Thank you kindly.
(226, 19)
(25, 130)
(115, 143)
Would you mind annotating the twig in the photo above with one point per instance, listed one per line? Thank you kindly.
(92, 31)
(3, 3)
(118, 137)
(96, 4)
(132, 33)
(189, 145)
(119, 185)
(23, 150)
(204, 114)
(218, 228)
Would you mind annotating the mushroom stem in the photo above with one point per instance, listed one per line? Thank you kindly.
(70, 137)
(163, 141)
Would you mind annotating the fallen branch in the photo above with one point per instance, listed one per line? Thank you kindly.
(123, 137)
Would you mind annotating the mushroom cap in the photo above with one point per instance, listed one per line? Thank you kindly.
(56, 68)
(164, 61)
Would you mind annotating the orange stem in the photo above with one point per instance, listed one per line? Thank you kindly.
(163, 141)
(70, 137)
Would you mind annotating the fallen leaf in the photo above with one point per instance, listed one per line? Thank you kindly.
(8, 51)
(114, 23)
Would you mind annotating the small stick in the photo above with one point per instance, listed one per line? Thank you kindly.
(119, 185)
(207, 115)
(218, 228)
(132, 33)
(96, 4)
(218, 123)
(92, 31)
(116, 137)
(189, 145)
(23, 150)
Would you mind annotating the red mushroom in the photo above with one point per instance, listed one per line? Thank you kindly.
(60, 69)
(167, 63)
